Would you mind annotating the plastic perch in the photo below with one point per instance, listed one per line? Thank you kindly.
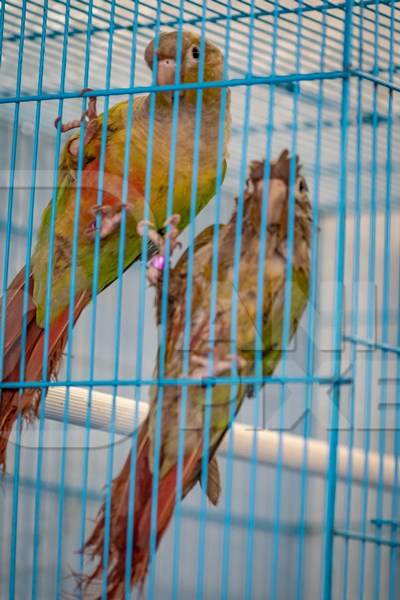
(380, 470)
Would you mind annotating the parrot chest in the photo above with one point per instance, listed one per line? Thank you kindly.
(178, 142)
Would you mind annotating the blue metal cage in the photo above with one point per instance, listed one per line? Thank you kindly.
(310, 507)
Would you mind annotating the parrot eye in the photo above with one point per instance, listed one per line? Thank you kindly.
(195, 53)
(302, 186)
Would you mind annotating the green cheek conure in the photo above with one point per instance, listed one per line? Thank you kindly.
(25, 402)
(273, 306)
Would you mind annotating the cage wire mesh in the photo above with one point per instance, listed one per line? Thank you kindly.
(295, 519)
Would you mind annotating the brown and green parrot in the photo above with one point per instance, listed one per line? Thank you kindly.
(275, 273)
(26, 402)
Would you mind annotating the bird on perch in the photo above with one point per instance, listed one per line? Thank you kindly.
(104, 219)
(203, 362)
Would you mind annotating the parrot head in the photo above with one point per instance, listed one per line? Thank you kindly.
(166, 51)
(279, 184)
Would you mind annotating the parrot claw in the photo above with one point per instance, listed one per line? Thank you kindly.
(89, 117)
(152, 233)
(67, 126)
(173, 221)
(157, 263)
(110, 219)
(86, 90)
(173, 233)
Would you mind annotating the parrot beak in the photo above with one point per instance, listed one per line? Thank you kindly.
(166, 76)
(166, 71)
(277, 204)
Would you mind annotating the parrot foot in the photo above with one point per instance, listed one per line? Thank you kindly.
(110, 220)
(89, 117)
(157, 263)
(220, 365)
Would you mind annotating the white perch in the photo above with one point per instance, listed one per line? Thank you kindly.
(379, 469)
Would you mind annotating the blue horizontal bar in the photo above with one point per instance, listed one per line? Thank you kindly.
(196, 20)
(360, 537)
(245, 81)
(377, 80)
(371, 344)
(385, 523)
(177, 381)
(238, 31)
(306, 51)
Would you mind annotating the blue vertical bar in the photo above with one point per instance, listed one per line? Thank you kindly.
(387, 305)
(355, 308)
(139, 354)
(38, 486)
(144, 253)
(369, 363)
(329, 521)
(17, 454)
(286, 319)
(10, 206)
(164, 325)
(259, 342)
(234, 390)
(394, 533)
(6, 265)
(2, 15)
(184, 389)
(207, 410)
(85, 460)
(311, 326)
(394, 555)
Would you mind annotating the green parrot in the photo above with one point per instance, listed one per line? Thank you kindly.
(26, 402)
(275, 272)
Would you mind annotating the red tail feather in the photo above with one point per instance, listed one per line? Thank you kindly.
(12, 401)
(141, 521)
